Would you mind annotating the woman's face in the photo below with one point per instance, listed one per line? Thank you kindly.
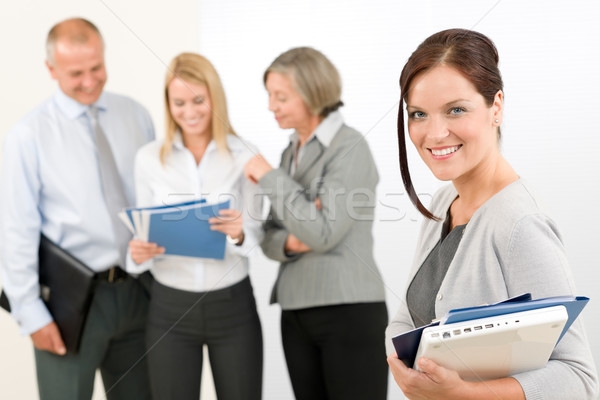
(190, 107)
(450, 124)
(290, 110)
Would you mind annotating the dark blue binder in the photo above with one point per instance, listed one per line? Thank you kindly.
(573, 304)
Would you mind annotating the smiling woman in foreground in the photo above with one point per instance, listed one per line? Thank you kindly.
(485, 239)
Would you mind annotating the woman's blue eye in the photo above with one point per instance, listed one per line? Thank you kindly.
(417, 115)
(457, 110)
(199, 100)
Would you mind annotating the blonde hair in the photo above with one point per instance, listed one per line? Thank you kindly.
(314, 77)
(196, 69)
(74, 30)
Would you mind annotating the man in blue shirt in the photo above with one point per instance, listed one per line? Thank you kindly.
(52, 183)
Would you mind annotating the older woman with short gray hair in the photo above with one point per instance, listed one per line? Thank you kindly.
(320, 230)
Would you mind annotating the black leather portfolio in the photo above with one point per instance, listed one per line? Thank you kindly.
(66, 286)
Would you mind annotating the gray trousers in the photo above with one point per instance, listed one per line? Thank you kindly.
(180, 323)
(113, 341)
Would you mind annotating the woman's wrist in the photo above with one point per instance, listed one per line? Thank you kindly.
(506, 388)
(238, 240)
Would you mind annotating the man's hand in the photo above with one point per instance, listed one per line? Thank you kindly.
(48, 339)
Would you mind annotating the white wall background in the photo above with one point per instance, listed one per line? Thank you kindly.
(551, 136)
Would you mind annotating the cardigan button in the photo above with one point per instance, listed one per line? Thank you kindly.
(440, 296)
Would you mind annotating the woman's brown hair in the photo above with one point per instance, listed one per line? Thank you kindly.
(472, 54)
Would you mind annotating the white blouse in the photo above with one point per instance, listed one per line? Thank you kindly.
(218, 177)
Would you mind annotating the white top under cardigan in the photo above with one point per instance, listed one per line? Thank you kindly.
(509, 247)
(218, 177)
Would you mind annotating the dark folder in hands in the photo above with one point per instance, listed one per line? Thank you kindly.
(66, 286)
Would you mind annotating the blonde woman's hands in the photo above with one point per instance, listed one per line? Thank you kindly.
(142, 251)
(229, 222)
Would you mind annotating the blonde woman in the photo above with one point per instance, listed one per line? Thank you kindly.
(194, 301)
(320, 230)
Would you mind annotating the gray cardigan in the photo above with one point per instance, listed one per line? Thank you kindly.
(340, 269)
(509, 247)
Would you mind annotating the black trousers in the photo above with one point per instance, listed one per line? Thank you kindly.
(336, 352)
(112, 341)
(181, 322)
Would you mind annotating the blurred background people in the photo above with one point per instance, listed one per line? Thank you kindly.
(201, 301)
(67, 171)
(320, 229)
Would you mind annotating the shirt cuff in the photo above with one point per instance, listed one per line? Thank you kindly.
(136, 269)
(32, 317)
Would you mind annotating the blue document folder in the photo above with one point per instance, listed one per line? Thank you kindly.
(185, 231)
(573, 304)
(128, 212)
(407, 344)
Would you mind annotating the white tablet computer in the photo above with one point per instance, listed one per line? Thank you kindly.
(495, 347)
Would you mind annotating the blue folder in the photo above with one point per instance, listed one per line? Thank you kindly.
(185, 231)
(407, 344)
(573, 304)
(129, 211)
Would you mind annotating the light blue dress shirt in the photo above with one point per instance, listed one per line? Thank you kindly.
(50, 183)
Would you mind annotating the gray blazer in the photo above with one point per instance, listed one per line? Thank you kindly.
(509, 247)
(340, 268)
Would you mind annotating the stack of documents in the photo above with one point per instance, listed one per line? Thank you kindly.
(469, 339)
(182, 228)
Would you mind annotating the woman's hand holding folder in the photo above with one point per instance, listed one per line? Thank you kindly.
(142, 251)
(229, 222)
(437, 382)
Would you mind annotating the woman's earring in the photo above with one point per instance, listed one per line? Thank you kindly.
(496, 121)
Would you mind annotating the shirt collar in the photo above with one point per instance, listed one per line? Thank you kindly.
(178, 140)
(233, 144)
(325, 131)
(72, 108)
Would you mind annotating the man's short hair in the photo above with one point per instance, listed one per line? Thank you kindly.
(75, 30)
